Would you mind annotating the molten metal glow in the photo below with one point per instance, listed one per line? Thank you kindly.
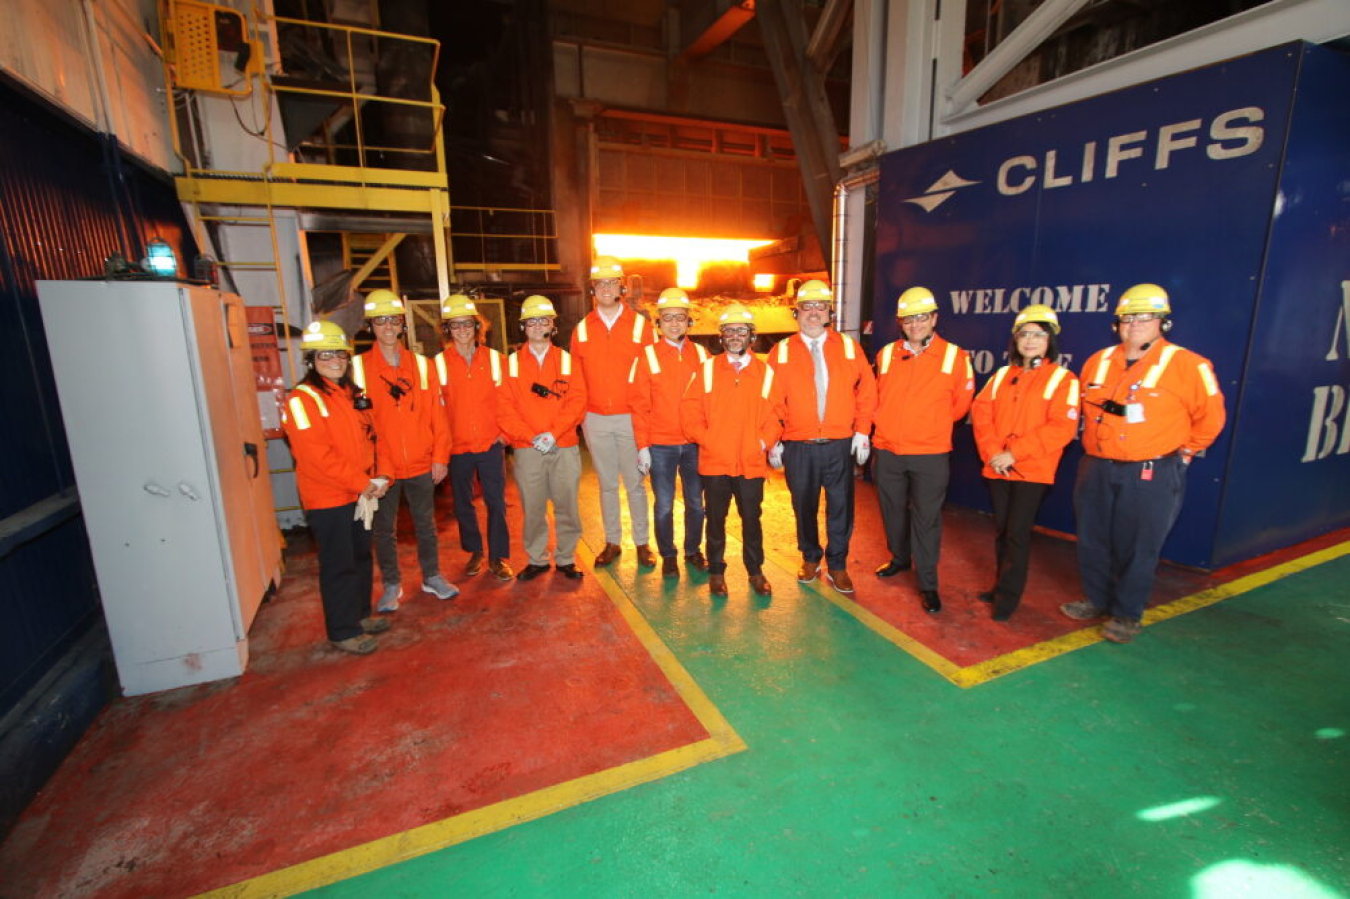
(690, 253)
(764, 282)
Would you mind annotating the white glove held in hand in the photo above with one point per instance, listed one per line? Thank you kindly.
(545, 442)
(776, 455)
(862, 447)
(644, 461)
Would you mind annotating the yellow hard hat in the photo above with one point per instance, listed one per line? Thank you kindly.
(457, 305)
(735, 314)
(1144, 298)
(814, 291)
(322, 335)
(1037, 312)
(915, 301)
(536, 306)
(605, 267)
(673, 298)
(383, 302)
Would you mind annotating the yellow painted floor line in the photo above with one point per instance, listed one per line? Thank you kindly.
(983, 672)
(409, 844)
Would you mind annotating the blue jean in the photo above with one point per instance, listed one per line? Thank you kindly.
(666, 461)
(490, 467)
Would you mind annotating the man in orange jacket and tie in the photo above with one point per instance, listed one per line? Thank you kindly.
(926, 385)
(831, 397)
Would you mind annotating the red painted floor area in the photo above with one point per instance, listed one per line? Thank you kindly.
(505, 690)
(963, 632)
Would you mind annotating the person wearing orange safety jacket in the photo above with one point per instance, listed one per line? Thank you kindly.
(604, 345)
(1149, 406)
(410, 423)
(656, 383)
(926, 385)
(831, 398)
(470, 374)
(733, 410)
(337, 463)
(539, 405)
(1023, 418)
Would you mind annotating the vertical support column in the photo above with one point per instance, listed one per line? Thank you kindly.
(440, 223)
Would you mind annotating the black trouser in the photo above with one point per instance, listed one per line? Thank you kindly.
(808, 467)
(1123, 520)
(911, 490)
(1015, 507)
(346, 571)
(490, 466)
(717, 493)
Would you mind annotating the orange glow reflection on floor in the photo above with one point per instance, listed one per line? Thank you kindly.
(690, 253)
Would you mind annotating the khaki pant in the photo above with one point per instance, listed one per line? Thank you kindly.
(614, 455)
(543, 478)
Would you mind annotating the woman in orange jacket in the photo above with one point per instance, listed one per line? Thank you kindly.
(336, 464)
(1023, 418)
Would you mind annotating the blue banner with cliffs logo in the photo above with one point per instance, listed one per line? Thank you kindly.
(1226, 185)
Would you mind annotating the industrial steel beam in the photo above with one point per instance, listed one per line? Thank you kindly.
(715, 22)
(827, 39)
(810, 120)
(1010, 51)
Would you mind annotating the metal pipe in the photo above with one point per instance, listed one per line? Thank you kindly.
(838, 247)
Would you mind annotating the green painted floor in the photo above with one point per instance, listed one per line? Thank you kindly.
(869, 775)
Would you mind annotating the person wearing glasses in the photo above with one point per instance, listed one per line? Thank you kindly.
(1149, 407)
(733, 409)
(337, 463)
(604, 345)
(410, 423)
(656, 382)
(540, 402)
(831, 397)
(470, 374)
(926, 385)
(1023, 418)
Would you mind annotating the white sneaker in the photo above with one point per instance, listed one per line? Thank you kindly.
(389, 598)
(438, 585)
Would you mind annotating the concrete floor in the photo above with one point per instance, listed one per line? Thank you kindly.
(805, 745)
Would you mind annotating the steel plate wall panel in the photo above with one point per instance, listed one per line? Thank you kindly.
(1172, 181)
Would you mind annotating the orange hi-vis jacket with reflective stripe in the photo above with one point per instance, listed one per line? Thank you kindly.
(921, 396)
(850, 394)
(656, 384)
(605, 355)
(334, 446)
(733, 416)
(1030, 412)
(412, 428)
(522, 413)
(469, 389)
(1180, 406)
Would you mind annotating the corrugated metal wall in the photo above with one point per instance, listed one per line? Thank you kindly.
(68, 199)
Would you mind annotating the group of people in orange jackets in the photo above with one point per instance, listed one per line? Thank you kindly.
(654, 406)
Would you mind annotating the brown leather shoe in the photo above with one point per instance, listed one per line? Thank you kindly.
(646, 558)
(841, 581)
(475, 566)
(696, 560)
(717, 584)
(807, 573)
(608, 554)
(501, 569)
(669, 568)
(760, 584)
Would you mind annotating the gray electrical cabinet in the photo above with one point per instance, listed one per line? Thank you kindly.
(157, 394)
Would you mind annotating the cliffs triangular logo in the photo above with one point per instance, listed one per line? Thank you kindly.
(940, 191)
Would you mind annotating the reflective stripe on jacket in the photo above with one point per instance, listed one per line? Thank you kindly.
(921, 397)
(1031, 413)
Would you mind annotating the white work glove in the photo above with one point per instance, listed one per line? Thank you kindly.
(862, 447)
(545, 442)
(776, 455)
(365, 510)
(644, 461)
